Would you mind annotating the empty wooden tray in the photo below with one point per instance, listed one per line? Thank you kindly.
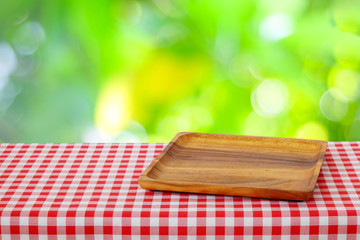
(265, 167)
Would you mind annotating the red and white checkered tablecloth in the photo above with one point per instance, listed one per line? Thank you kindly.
(90, 191)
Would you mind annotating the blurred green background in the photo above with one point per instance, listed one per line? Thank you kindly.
(141, 71)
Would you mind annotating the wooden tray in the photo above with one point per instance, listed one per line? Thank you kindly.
(265, 167)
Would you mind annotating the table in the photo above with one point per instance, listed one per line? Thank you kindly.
(90, 191)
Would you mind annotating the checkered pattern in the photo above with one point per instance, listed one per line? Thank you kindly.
(48, 191)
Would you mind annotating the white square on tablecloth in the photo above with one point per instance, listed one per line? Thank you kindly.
(248, 221)
(230, 238)
(98, 221)
(42, 221)
(24, 221)
(79, 221)
(154, 222)
(61, 221)
(23, 237)
(323, 220)
(267, 221)
(211, 221)
(5, 221)
(78, 237)
(99, 237)
(304, 221)
(154, 237)
(191, 222)
(345, 236)
(342, 220)
(325, 237)
(173, 222)
(116, 221)
(229, 221)
(210, 237)
(285, 221)
(45, 237)
(135, 221)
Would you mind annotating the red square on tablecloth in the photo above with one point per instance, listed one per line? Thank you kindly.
(126, 230)
(201, 230)
(314, 230)
(163, 230)
(238, 230)
(220, 231)
(220, 214)
(276, 230)
(295, 230)
(89, 230)
(108, 230)
(15, 230)
(51, 230)
(182, 231)
(333, 229)
(70, 230)
(352, 229)
(145, 231)
(257, 230)
(33, 230)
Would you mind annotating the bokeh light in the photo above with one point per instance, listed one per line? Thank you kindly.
(333, 104)
(28, 38)
(312, 130)
(347, 81)
(257, 125)
(8, 60)
(276, 26)
(270, 98)
(112, 110)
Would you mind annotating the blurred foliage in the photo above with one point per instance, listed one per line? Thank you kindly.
(141, 71)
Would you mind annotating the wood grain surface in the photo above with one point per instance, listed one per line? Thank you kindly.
(264, 167)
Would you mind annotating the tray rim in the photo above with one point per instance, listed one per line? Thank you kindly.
(146, 182)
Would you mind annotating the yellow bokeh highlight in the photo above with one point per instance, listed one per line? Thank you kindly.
(346, 80)
(165, 77)
(313, 130)
(346, 50)
(346, 16)
(112, 110)
(257, 125)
